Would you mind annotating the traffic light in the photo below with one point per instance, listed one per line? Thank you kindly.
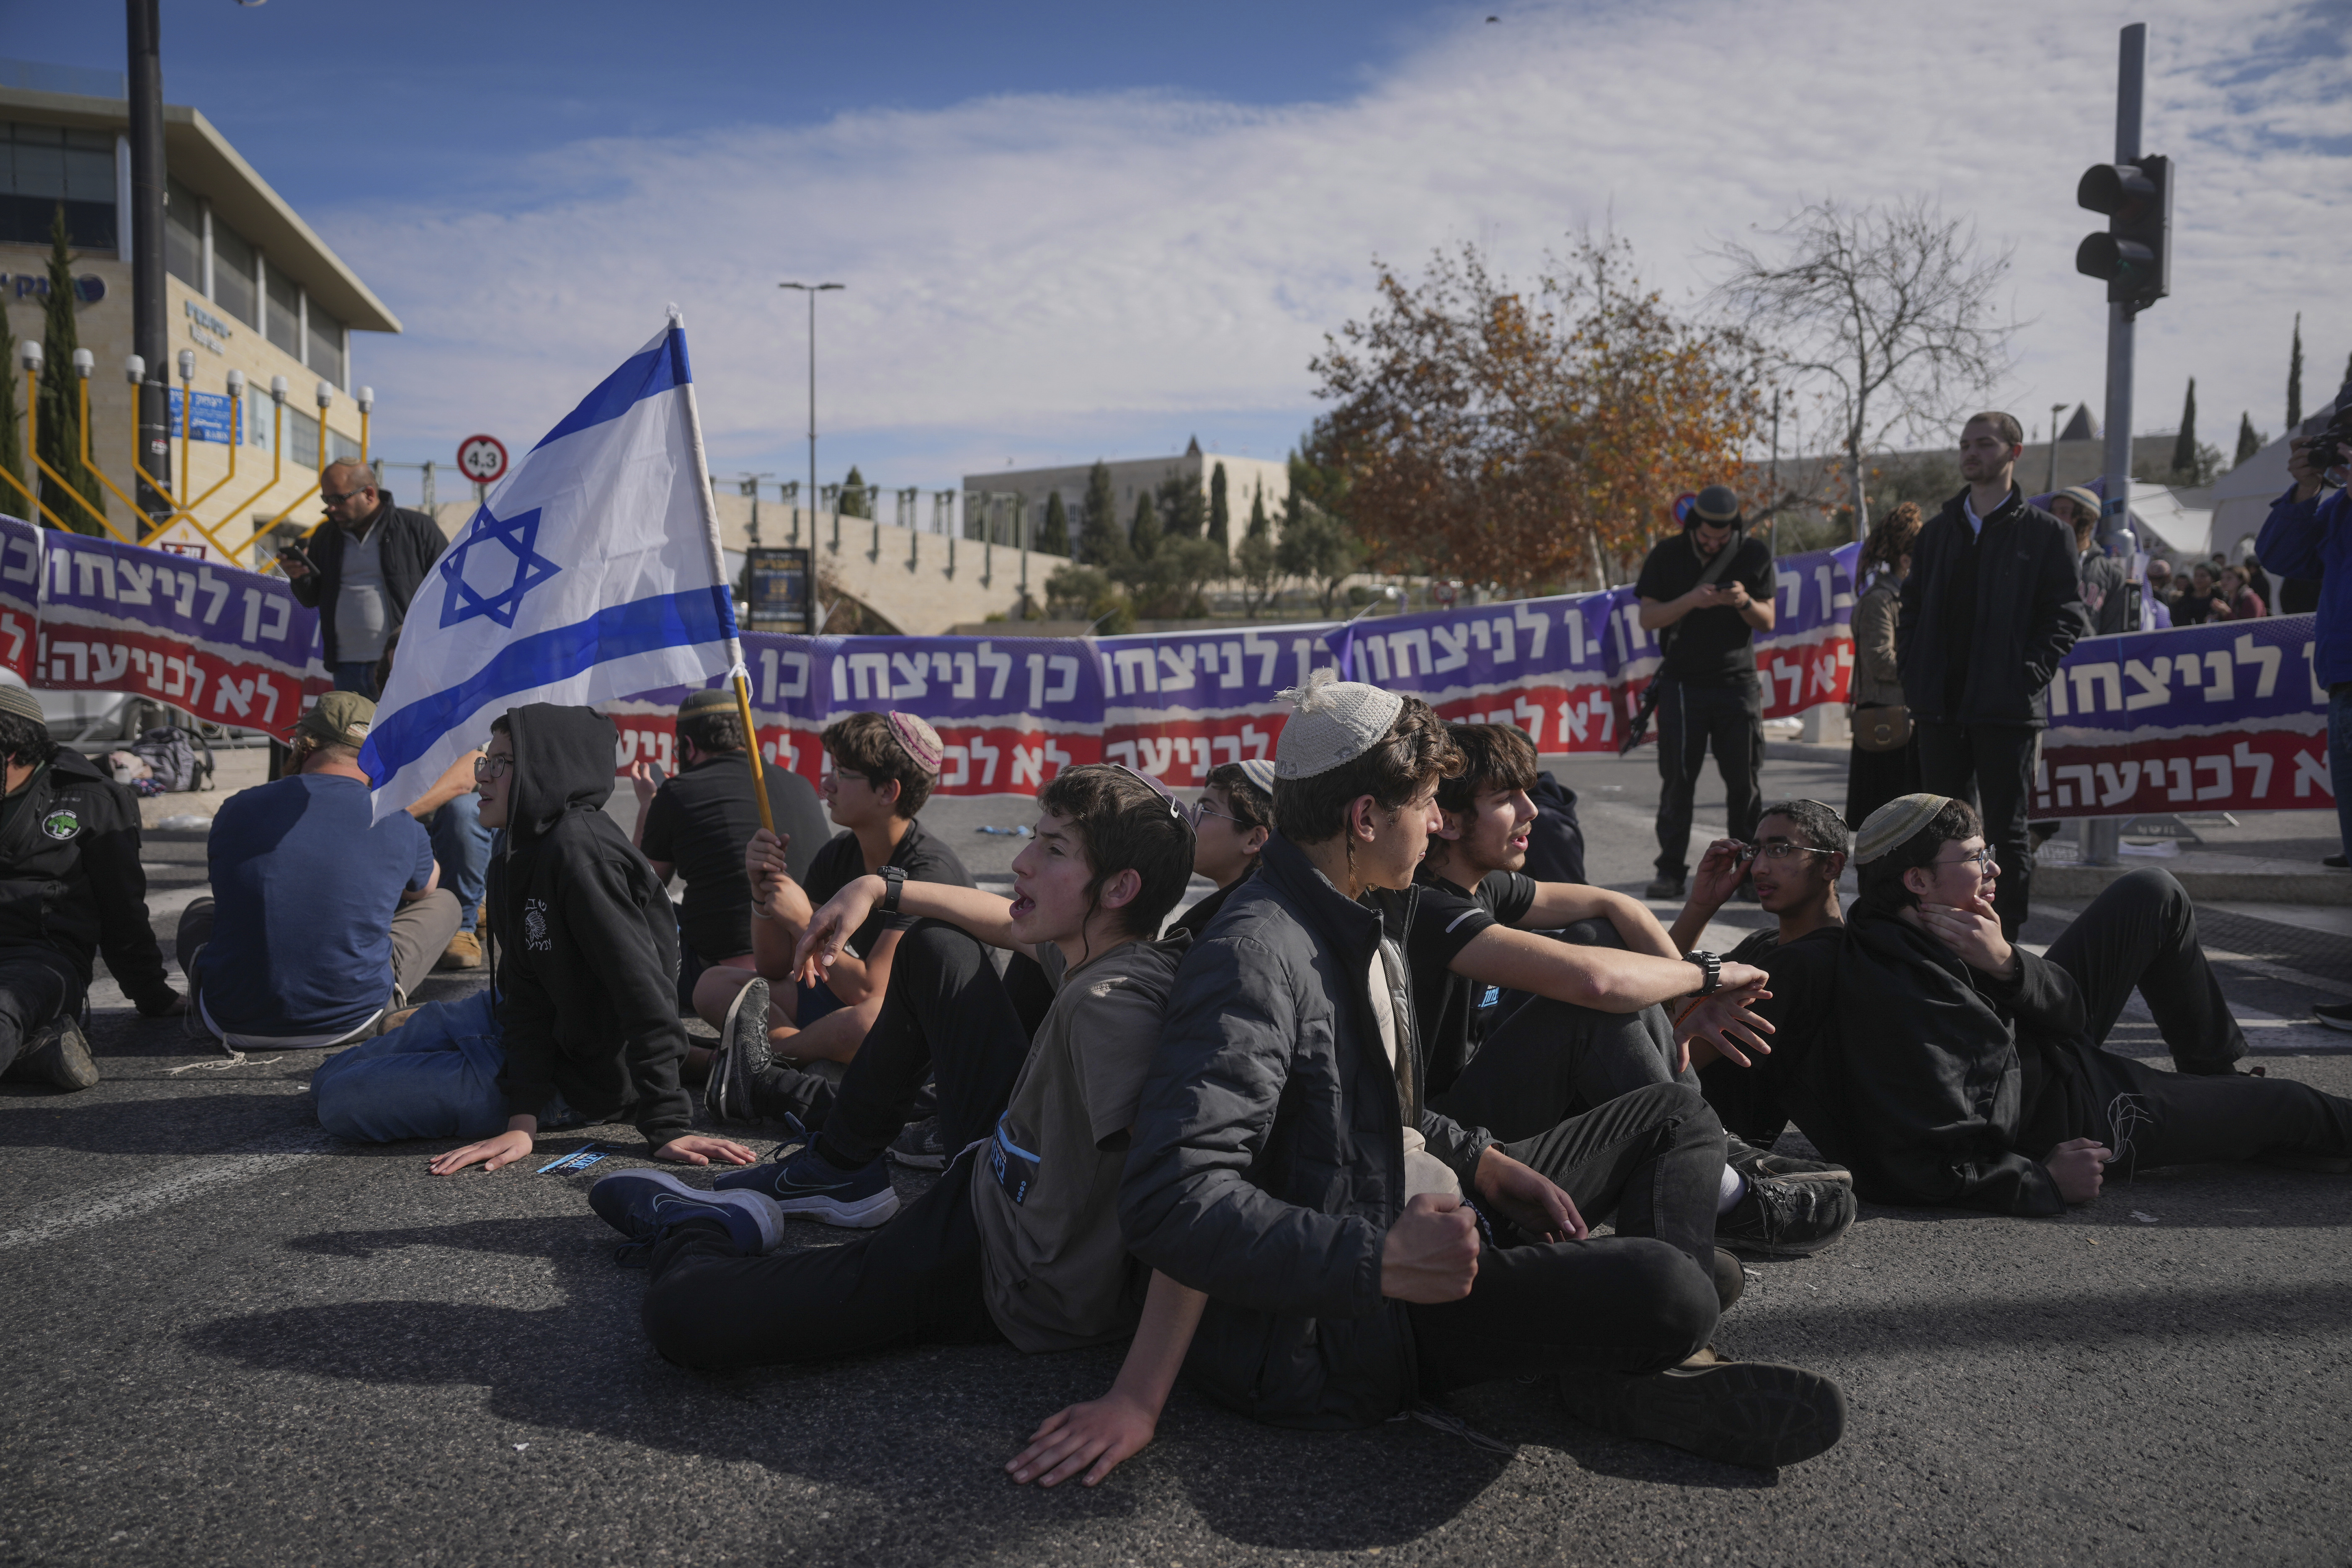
(2135, 256)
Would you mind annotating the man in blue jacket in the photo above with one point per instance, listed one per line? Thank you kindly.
(2308, 537)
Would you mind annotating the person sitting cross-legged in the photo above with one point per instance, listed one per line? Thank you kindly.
(579, 1021)
(1361, 1251)
(321, 921)
(1019, 1240)
(1590, 1023)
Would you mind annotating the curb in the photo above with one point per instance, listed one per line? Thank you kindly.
(2235, 887)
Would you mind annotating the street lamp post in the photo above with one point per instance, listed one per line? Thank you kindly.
(812, 291)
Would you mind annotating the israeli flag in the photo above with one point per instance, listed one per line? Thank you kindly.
(594, 571)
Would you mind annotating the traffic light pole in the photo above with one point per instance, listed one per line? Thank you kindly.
(2101, 834)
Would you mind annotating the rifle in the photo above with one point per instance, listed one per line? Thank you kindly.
(1639, 725)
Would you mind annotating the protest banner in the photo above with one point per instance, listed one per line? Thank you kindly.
(20, 598)
(1177, 704)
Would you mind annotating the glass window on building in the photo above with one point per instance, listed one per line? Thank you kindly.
(183, 235)
(341, 446)
(233, 274)
(326, 355)
(42, 167)
(285, 314)
(301, 437)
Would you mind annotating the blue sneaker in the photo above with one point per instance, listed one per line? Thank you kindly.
(806, 1183)
(641, 1205)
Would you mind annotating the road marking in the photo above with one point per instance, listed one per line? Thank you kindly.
(175, 1183)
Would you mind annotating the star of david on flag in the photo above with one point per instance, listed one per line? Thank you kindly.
(592, 571)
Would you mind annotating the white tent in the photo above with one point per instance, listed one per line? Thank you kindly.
(2165, 523)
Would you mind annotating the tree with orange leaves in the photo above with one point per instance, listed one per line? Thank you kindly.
(1520, 439)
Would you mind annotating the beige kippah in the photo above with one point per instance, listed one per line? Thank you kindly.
(1331, 722)
(1893, 823)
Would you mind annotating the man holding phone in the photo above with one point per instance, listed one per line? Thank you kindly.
(359, 570)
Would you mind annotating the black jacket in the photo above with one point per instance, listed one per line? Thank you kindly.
(1555, 838)
(1268, 1158)
(1951, 1088)
(70, 884)
(2027, 613)
(411, 542)
(587, 940)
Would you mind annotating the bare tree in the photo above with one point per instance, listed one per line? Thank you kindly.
(1890, 310)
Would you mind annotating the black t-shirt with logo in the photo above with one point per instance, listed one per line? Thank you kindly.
(1712, 647)
(699, 822)
(1446, 1005)
(841, 862)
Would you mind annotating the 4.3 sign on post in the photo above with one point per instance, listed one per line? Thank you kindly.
(482, 458)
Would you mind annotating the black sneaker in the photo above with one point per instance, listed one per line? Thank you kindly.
(919, 1147)
(741, 1058)
(2335, 1014)
(1786, 1219)
(1664, 888)
(60, 1053)
(2336, 862)
(1736, 1411)
(806, 1183)
(1751, 1162)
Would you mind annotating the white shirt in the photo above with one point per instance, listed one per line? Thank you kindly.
(1423, 1172)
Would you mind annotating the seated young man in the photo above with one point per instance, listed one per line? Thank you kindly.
(1019, 1240)
(696, 822)
(1593, 1025)
(1286, 1165)
(71, 887)
(884, 766)
(579, 1021)
(322, 920)
(1946, 1066)
(1236, 814)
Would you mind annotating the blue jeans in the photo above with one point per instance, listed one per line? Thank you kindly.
(462, 844)
(2339, 758)
(436, 1076)
(355, 675)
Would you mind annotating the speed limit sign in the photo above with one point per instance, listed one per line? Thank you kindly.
(482, 458)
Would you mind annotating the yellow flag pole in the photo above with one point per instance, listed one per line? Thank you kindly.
(751, 745)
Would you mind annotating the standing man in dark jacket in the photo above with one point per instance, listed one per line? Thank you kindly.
(580, 1023)
(368, 567)
(1706, 611)
(1284, 1162)
(1990, 610)
(69, 886)
(2309, 539)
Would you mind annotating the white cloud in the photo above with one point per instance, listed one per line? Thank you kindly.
(1029, 276)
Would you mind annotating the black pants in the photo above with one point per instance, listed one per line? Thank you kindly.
(1873, 778)
(1991, 766)
(1638, 1301)
(1691, 719)
(916, 1280)
(1546, 1061)
(33, 993)
(2141, 932)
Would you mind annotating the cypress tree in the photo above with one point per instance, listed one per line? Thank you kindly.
(1220, 513)
(2294, 378)
(12, 436)
(2184, 447)
(1143, 538)
(1100, 542)
(1054, 539)
(2248, 442)
(58, 438)
(857, 500)
(1259, 523)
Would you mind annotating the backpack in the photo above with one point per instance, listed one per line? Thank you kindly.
(176, 759)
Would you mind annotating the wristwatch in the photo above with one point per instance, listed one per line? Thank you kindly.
(1711, 966)
(894, 879)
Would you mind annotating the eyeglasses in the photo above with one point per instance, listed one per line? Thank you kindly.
(1203, 809)
(487, 767)
(1189, 816)
(1778, 850)
(1982, 860)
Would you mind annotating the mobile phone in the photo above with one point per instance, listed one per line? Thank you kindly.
(660, 777)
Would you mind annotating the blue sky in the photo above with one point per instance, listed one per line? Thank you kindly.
(1073, 231)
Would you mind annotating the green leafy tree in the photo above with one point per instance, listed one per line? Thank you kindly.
(1260, 525)
(1143, 536)
(1054, 539)
(2184, 447)
(1259, 566)
(1183, 512)
(1220, 511)
(1320, 548)
(1100, 541)
(77, 502)
(2250, 441)
(1078, 592)
(1169, 582)
(857, 498)
(11, 434)
(2294, 378)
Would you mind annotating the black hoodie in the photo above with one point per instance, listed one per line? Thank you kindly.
(587, 940)
(70, 882)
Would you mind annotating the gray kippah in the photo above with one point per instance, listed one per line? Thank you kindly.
(1893, 823)
(1259, 771)
(21, 702)
(1331, 722)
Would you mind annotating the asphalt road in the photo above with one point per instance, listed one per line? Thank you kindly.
(231, 1340)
